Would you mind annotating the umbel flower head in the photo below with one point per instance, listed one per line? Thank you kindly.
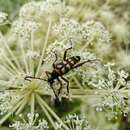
(17, 94)
(30, 124)
(32, 54)
(75, 122)
(112, 89)
(26, 59)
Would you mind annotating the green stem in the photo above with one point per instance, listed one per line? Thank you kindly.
(10, 64)
(46, 112)
(11, 53)
(44, 48)
(32, 104)
(23, 56)
(77, 82)
(23, 103)
(89, 92)
(31, 61)
(52, 112)
(84, 47)
(5, 70)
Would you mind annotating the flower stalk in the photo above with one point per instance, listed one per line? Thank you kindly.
(51, 112)
(44, 48)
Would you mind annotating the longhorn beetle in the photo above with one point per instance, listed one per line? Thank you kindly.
(59, 69)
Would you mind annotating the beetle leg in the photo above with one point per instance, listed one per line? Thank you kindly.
(48, 73)
(67, 83)
(27, 78)
(66, 53)
(60, 86)
(56, 96)
(31, 77)
(80, 64)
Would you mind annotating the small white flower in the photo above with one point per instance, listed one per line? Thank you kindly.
(30, 10)
(58, 47)
(24, 28)
(67, 29)
(81, 35)
(32, 54)
(95, 32)
(30, 124)
(114, 97)
(43, 10)
(53, 7)
(7, 101)
(74, 122)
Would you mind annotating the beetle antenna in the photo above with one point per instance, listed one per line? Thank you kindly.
(31, 77)
(70, 40)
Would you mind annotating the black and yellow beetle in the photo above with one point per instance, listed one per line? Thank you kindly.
(59, 69)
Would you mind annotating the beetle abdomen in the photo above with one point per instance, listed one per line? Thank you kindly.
(67, 65)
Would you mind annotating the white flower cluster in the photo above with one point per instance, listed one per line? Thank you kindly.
(16, 81)
(34, 15)
(37, 10)
(31, 124)
(3, 17)
(30, 10)
(58, 47)
(55, 7)
(7, 101)
(95, 32)
(32, 54)
(111, 89)
(24, 28)
(111, 79)
(67, 29)
(74, 122)
(90, 32)
(45, 20)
